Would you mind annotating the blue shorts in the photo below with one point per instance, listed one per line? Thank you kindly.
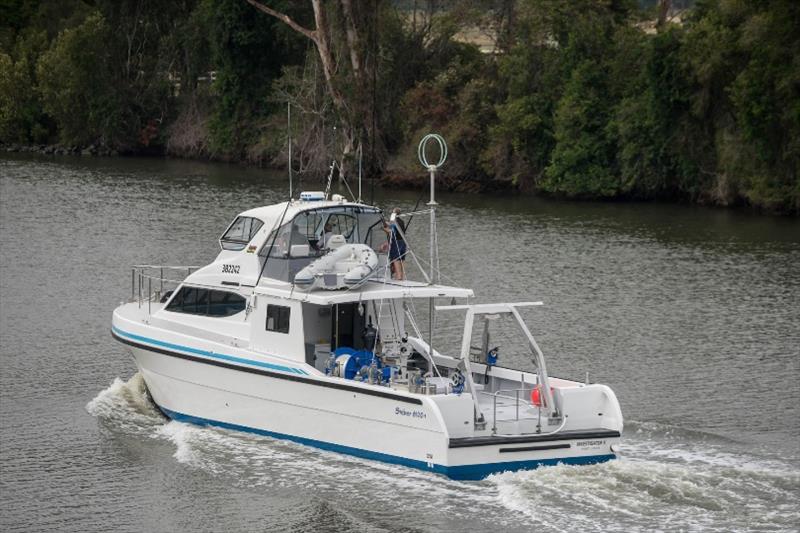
(397, 250)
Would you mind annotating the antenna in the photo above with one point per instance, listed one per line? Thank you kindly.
(360, 157)
(432, 168)
(289, 136)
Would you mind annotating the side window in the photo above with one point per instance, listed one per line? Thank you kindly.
(278, 318)
(189, 300)
(290, 240)
(240, 233)
(308, 223)
(196, 301)
(223, 303)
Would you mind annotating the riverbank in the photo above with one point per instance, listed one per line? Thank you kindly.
(391, 179)
(58, 149)
(397, 179)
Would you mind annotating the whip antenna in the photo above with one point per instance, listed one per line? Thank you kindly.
(289, 137)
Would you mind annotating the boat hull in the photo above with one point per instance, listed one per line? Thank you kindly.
(190, 389)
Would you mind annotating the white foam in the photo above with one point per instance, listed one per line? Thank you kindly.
(181, 436)
(125, 405)
(666, 479)
(627, 493)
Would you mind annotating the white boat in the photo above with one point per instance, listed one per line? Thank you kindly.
(287, 337)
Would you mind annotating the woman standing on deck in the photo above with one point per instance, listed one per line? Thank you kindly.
(396, 230)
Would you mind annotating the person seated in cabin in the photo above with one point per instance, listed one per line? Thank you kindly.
(326, 237)
(396, 230)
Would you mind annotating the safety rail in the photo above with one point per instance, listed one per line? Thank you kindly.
(144, 277)
(517, 401)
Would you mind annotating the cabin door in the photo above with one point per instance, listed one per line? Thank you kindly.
(348, 326)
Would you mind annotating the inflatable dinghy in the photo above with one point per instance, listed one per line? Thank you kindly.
(344, 266)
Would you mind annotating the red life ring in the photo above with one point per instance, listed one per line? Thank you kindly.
(536, 396)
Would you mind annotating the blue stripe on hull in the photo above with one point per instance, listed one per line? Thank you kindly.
(206, 353)
(461, 472)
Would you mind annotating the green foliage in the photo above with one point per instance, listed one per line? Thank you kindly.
(75, 85)
(707, 111)
(582, 160)
(21, 118)
(248, 49)
(585, 98)
(457, 102)
(765, 97)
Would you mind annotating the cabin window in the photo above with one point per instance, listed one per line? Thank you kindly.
(290, 240)
(223, 303)
(240, 233)
(342, 224)
(207, 302)
(278, 318)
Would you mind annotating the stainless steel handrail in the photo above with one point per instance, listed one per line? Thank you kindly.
(516, 399)
(146, 273)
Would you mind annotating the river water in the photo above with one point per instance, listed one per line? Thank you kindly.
(691, 315)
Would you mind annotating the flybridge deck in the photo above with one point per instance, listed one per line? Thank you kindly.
(297, 330)
(368, 291)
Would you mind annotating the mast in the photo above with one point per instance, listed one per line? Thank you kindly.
(434, 256)
(289, 136)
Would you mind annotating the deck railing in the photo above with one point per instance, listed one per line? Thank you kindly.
(148, 282)
(517, 401)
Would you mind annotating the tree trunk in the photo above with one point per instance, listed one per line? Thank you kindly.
(662, 11)
(355, 111)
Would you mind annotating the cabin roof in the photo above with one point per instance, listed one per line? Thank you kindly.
(270, 215)
(371, 290)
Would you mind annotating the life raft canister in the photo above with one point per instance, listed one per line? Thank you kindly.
(536, 395)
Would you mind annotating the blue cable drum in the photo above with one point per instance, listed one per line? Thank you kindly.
(344, 350)
(351, 361)
(347, 361)
(365, 357)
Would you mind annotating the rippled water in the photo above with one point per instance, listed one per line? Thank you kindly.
(692, 316)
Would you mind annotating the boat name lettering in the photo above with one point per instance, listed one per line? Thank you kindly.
(230, 269)
(590, 443)
(399, 411)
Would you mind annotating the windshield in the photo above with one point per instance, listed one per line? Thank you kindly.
(240, 233)
(313, 229)
(305, 237)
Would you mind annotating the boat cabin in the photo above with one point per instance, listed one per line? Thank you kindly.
(276, 242)
(375, 318)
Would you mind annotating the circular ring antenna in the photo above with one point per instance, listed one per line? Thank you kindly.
(423, 147)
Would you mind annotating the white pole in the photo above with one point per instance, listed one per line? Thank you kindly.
(432, 204)
(434, 278)
(289, 135)
(431, 303)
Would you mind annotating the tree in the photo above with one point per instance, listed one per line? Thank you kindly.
(348, 28)
(76, 87)
(583, 158)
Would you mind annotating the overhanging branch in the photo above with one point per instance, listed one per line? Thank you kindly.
(285, 19)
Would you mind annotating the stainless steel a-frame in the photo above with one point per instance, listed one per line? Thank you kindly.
(536, 352)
